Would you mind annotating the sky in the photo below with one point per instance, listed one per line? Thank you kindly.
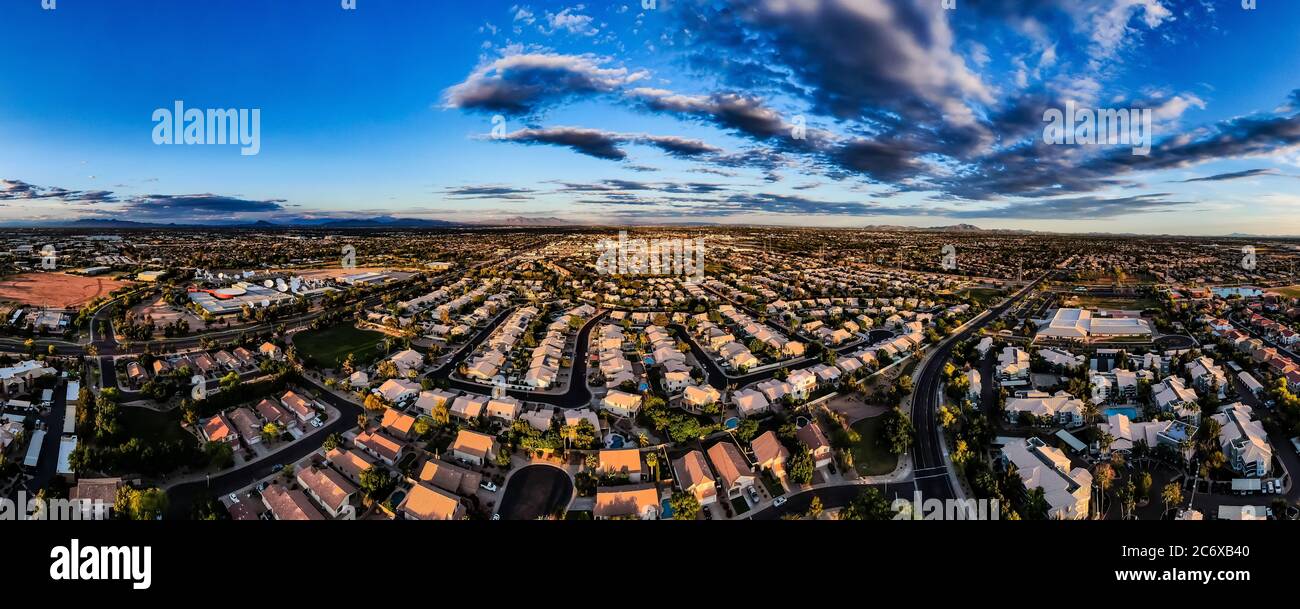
(837, 113)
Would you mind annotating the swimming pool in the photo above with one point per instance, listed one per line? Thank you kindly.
(1128, 411)
(731, 423)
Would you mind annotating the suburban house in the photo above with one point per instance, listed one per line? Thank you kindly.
(299, 406)
(504, 408)
(350, 463)
(732, 467)
(449, 477)
(769, 453)
(398, 424)
(330, 489)
(270, 350)
(424, 502)
(271, 412)
(811, 436)
(621, 403)
(288, 504)
(627, 502)
(625, 461)
(468, 406)
(397, 390)
(219, 429)
(696, 397)
(750, 402)
(474, 447)
(408, 361)
(246, 425)
(381, 446)
(693, 475)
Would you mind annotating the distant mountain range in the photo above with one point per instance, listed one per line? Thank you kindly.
(952, 228)
(378, 222)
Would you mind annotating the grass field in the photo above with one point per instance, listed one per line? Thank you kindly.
(329, 347)
(1290, 291)
(1134, 303)
(981, 295)
(871, 457)
(153, 427)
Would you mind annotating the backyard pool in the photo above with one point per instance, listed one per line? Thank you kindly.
(731, 423)
(1128, 411)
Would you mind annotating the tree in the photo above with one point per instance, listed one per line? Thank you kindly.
(375, 402)
(1172, 495)
(423, 426)
(335, 440)
(133, 504)
(815, 508)
(652, 461)
(870, 504)
(799, 467)
(270, 431)
(899, 431)
(685, 506)
(220, 454)
(375, 482)
(229, 382)
(747, 429)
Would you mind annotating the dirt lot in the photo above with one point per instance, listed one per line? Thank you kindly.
(55, 289)
(163, 313)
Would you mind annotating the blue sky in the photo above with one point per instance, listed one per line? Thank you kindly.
(686, 112)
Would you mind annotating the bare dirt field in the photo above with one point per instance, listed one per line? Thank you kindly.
(163, 313)
(55, 289)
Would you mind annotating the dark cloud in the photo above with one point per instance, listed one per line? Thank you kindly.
(18, 189)
(524, 83)
(609, 145)
(490, 192)
(1236, 175)
(202, 206)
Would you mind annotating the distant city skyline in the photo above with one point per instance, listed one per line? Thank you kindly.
(834, 113)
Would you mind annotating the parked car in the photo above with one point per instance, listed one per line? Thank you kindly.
(489, 486)
(234, 498)
(496, 517)
(261, 487)
(277, 467)
(779, 501)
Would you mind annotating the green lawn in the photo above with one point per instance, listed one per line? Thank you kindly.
(1291, 291)
(870, 457)
(1135, 303)
(329, 347)
(981, 295)
(153, 427)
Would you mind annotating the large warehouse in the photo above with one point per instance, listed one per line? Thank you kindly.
(1079, 324)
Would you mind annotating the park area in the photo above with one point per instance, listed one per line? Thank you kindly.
(871, 454)
(328, 348)
(55, 290)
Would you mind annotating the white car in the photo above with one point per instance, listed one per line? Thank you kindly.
(234, 498)
(779, 501)
(489, 486)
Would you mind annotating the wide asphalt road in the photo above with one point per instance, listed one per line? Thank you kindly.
(927, 453)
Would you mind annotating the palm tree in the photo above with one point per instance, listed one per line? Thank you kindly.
(652, 461)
